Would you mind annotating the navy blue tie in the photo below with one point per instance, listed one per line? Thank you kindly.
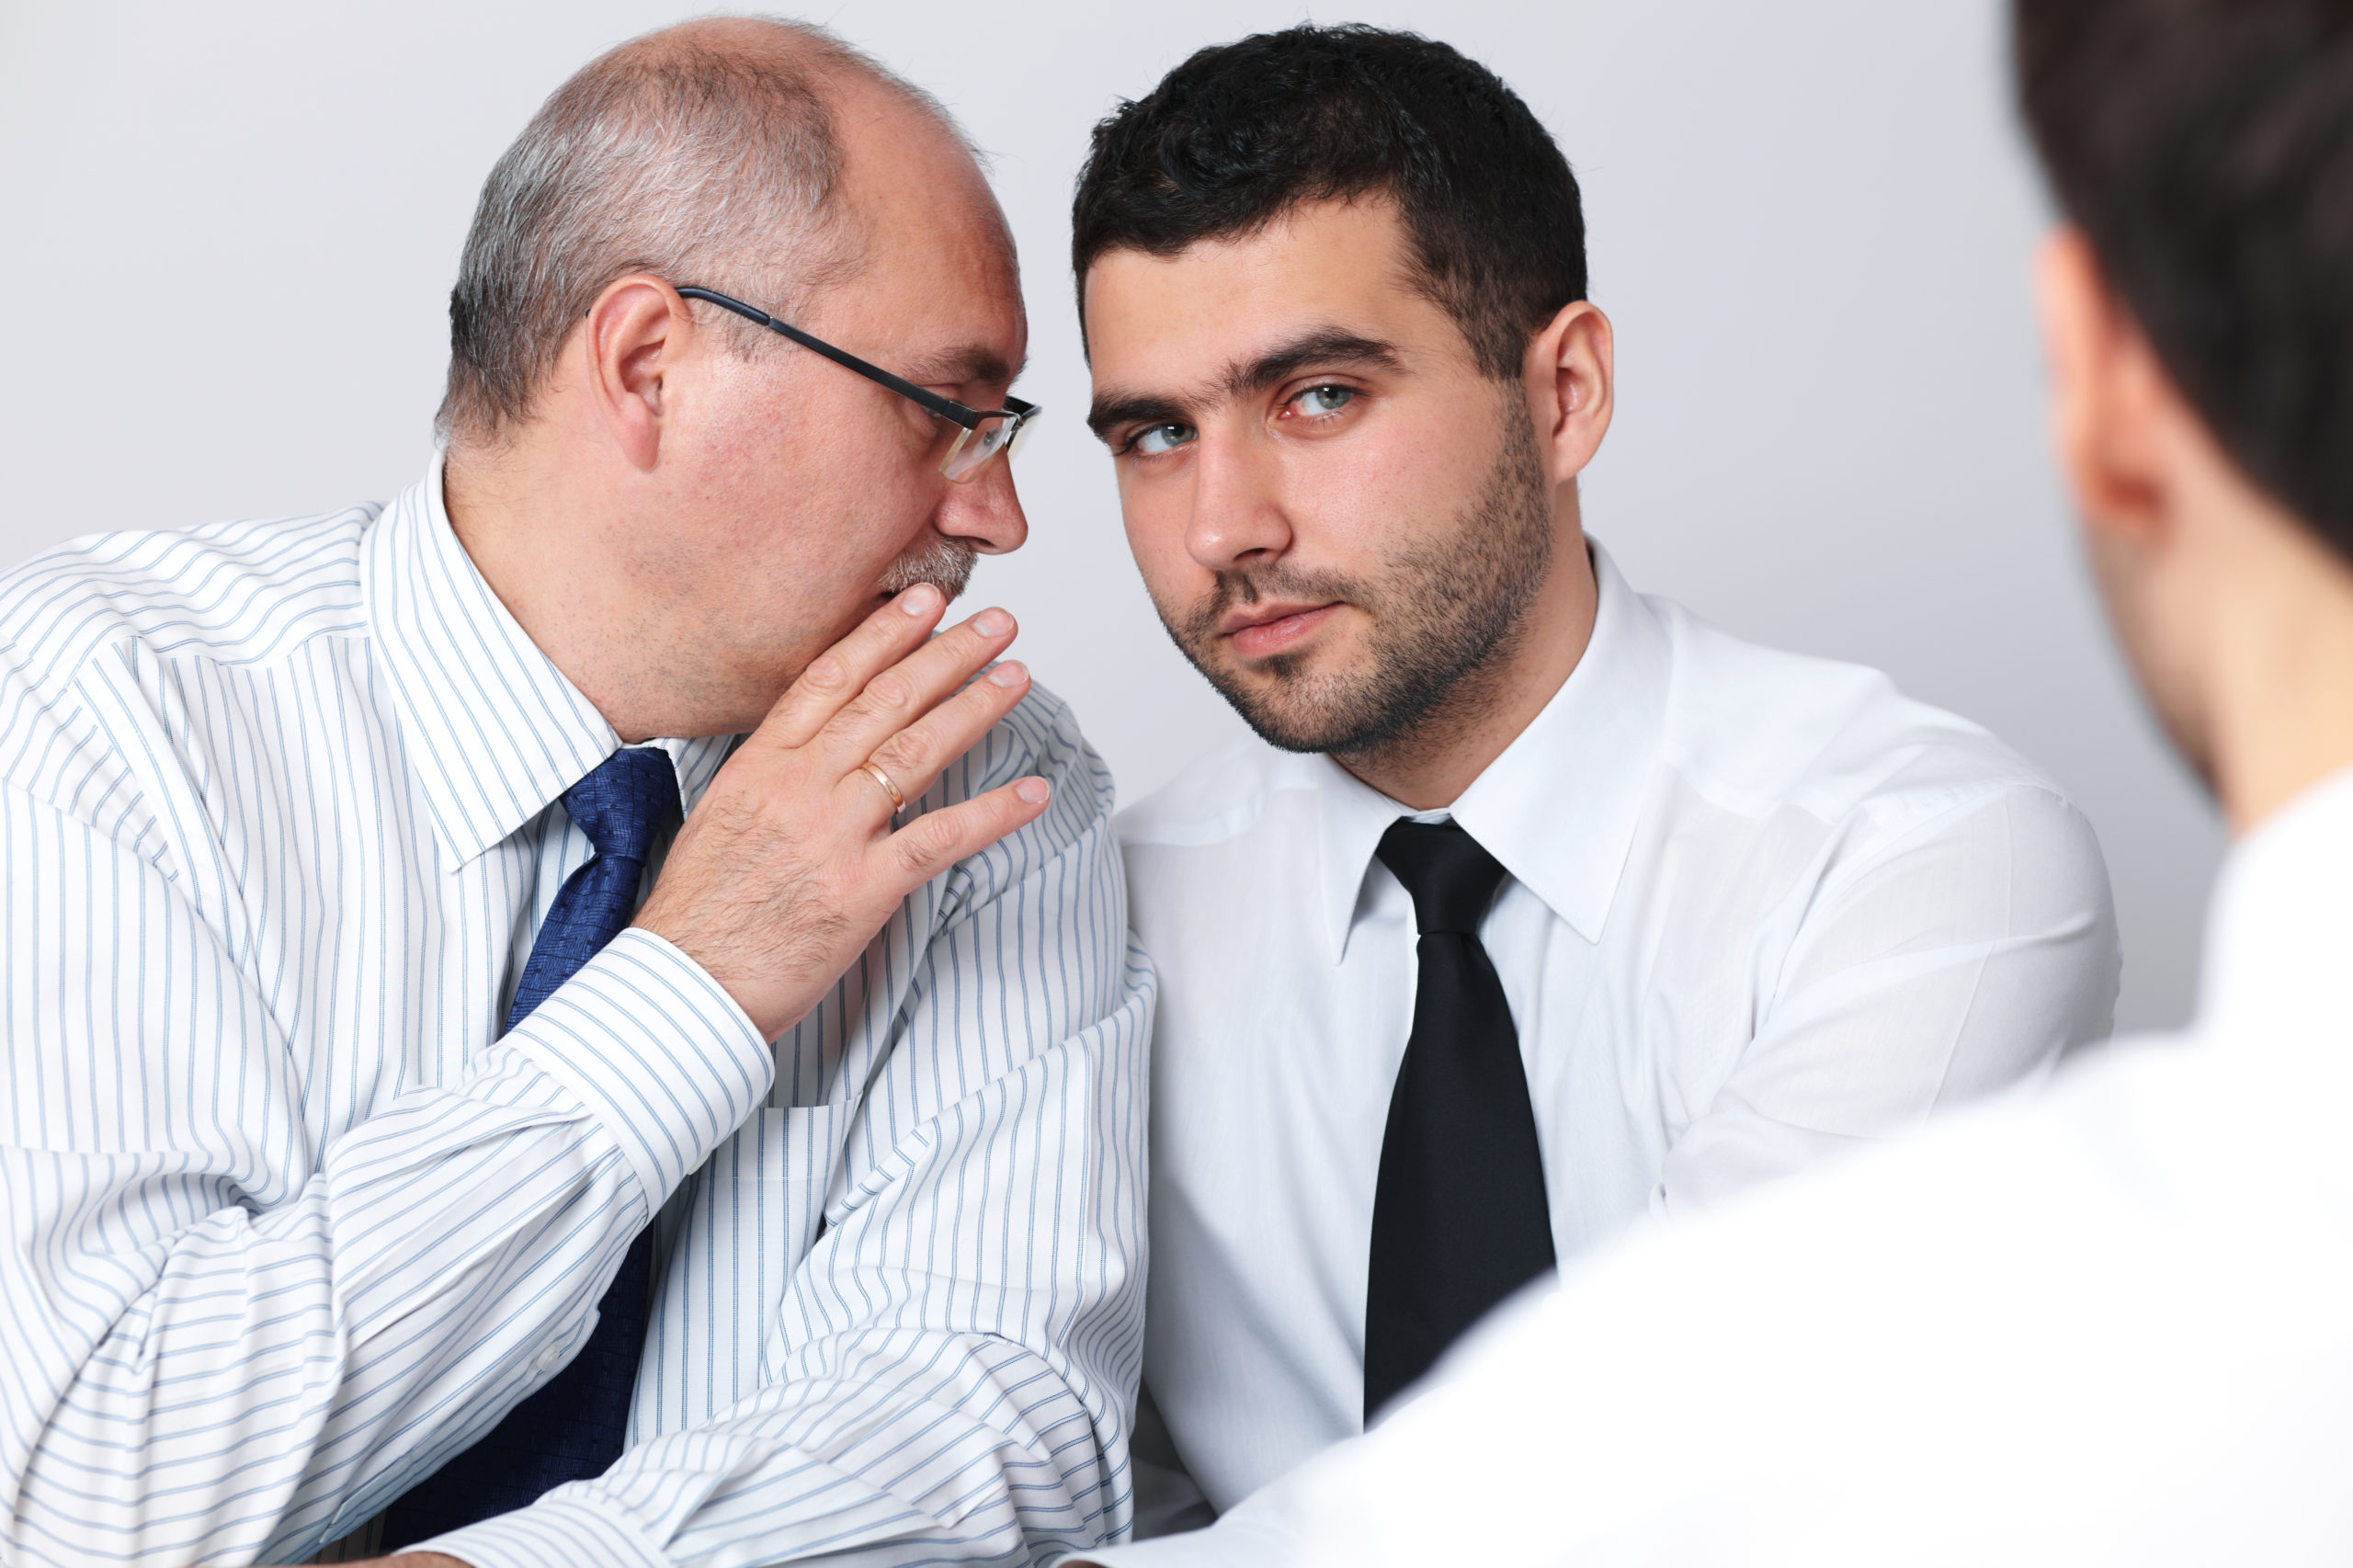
(572, 1428)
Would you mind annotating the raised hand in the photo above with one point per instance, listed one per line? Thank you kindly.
(789, 864)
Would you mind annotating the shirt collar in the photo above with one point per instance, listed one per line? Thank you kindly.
(1559, 807)
(2281, 923)
(494, 732)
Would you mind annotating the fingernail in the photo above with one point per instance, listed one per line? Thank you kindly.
(1009, 673)
(992, 623)
(921, 599)
(1033, 790)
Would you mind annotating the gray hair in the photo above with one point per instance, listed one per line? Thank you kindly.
(701, 154)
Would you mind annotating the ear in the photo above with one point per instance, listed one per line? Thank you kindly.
(1570, 372)
(637, 333)
(2114, 412)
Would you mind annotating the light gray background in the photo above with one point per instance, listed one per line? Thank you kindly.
(229, 230)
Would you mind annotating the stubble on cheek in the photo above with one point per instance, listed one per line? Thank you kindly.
(1438, 613)
(1289, 698)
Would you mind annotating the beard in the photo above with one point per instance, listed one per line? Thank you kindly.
(1446, 611)
(946, 564)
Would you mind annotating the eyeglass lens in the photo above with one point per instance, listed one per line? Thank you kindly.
(974, 448)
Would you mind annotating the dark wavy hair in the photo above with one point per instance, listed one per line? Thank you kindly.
(2205, 148)
(1243, 132)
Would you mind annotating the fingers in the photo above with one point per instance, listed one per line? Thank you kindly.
(901, 695)
(934, 842)
(842, 671)
(915, 756)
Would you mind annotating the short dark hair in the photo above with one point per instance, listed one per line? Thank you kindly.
(1243, 132)
(2205, 149)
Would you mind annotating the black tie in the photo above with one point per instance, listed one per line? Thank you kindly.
(1460, 1219)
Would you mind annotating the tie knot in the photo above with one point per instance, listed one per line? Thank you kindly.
(625, 801)
(1451, 878)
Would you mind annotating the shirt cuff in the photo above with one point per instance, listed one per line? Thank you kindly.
(551, 1531)
(657, 1048)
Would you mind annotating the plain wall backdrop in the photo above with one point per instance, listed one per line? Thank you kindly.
(231, 230)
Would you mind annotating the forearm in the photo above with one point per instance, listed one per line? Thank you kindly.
(921, 1448)
(279, 1352)
(952, 1370)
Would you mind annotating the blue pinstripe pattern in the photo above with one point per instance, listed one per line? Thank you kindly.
(288, 1224)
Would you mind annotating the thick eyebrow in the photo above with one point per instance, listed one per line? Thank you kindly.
(1132, 408)
(1326, 346)
(1334, 346)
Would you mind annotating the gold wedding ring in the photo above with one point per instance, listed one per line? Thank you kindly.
(898, 800)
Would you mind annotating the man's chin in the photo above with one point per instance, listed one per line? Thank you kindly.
(1282, 712)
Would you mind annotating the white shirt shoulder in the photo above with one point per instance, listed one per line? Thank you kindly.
(233, 591)
(1757, 729)
(1217, 795)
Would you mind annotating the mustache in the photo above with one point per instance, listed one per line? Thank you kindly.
(946, 564)
(1276, 581)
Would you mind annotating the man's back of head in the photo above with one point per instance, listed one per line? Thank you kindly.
(2200, 309)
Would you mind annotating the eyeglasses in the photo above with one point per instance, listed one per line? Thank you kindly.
(983, 432)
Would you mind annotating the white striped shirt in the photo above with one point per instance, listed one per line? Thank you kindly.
(288, 1223)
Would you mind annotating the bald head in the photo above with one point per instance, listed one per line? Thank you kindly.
(726, 152)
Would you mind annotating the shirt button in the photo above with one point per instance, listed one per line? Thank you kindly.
(549, 1359)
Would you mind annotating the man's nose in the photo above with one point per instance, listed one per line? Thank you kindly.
(1237, 515)
(986, 510)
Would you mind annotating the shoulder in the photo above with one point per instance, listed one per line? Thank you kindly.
(1760, 731)
(1243, 826)
(240, 591)
(1217, 796)
(1039, 738)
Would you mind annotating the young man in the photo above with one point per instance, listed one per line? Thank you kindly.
(341, 1108)
(2113, 1325)
(1539, 907)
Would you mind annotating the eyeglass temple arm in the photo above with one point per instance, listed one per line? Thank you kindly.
(947, 408)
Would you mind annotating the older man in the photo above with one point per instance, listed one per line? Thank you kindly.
(354, 1151)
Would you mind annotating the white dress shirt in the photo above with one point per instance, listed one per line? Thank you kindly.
(1761, 909)
(288, 1223)
(2108, 1325)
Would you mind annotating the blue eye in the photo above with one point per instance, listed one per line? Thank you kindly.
(1154, 440)
(1325, 400)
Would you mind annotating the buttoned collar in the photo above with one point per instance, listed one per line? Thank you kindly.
(1559, 807)
(494, 732)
